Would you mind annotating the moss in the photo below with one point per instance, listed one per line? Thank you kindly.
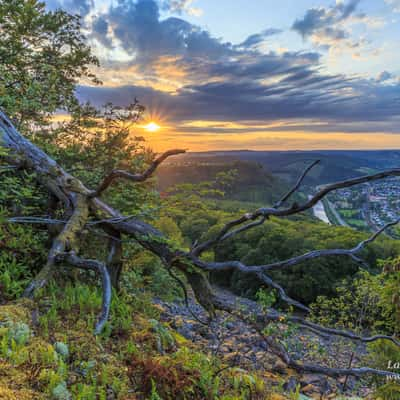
(18, 394)
(62, 349)
(145, 358)
(60, 392)
(19, 311)
(19, 332)
(15, 384)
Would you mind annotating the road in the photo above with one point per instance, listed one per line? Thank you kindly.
(336, 214)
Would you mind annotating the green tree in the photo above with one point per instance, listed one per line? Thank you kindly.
(43, 55)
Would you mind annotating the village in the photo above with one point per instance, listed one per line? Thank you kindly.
(368, 207)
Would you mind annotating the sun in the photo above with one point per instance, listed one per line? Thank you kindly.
(152, 127)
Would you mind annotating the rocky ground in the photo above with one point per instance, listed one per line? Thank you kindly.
(241, 346)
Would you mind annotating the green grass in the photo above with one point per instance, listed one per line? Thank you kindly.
(357, 223)
(349, 213)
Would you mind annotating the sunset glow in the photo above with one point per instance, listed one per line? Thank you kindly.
(152, 127)
(325, 75)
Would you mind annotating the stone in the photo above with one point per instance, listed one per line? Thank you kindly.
(210, 336)
(279, 366)
(291, 384)
(186, 332)
(310, 389)
(229, 325)
(311, 378)
(263, 345)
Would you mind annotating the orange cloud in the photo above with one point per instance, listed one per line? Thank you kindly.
(167, 138)
(165, 74)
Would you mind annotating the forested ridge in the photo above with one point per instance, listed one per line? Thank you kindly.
(117, 284)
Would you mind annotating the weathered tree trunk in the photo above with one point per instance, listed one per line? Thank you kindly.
(80, 200)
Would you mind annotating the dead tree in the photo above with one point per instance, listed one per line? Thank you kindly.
(82, 203)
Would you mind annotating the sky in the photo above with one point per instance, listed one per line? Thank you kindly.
(250, 74)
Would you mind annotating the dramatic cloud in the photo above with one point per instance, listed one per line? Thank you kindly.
(139, 30)
(331, 27)
(317, 20)
(187, 74)
(257, 38)
(330, 99)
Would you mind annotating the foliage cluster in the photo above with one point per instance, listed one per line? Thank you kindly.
(137, 357)
(276, 240)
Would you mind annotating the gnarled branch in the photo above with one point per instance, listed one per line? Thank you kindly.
(239, 266)
(118, 173)
(265, 212)
(296, 186)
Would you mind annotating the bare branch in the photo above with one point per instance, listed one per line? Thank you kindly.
(298, 183)
(326, 190)
(266, 212)
(186, 297)
(338, 372)
(342, 333)
(117, 174)
(281, 292)
(225, 233)
(101, 269)
(7, 168)
(253, 314)
(279, 350)
(36, 220)
(237, 265)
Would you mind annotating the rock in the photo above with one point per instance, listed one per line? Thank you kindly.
(225, 349)
(186, 332)
(332, 396)
(275, 396)
(310, 389)
(210, 336)
(350, 382)
(279, 366)
(311, 378)
(35, 317)
(325, 387)
(263, 345)
(110, 394)
(229, 325)
(291, 384)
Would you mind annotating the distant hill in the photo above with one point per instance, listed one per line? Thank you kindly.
(287, 165)
(253, 181)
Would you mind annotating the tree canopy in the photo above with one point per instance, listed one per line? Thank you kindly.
(43, 56)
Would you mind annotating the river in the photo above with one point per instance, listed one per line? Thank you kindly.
(319, 212)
